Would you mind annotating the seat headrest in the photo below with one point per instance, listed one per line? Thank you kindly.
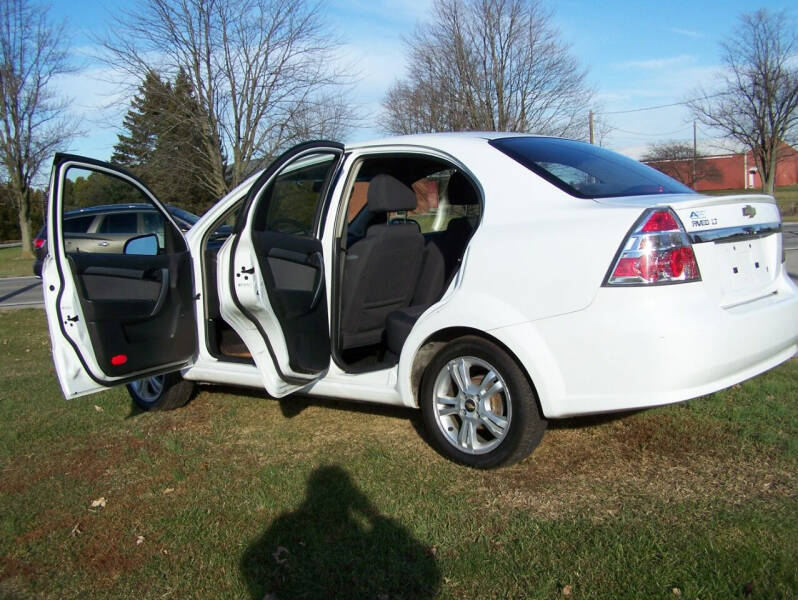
(461, 191)
(387, 194)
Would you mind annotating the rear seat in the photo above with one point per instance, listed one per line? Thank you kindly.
(443, 253)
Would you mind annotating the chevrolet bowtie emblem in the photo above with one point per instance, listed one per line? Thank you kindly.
(749, 211)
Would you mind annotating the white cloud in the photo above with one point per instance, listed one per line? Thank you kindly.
(657, 63)
(685, 32)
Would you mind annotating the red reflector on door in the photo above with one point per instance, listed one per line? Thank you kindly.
(119, 359)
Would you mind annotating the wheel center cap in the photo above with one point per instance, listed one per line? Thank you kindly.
(470, 405)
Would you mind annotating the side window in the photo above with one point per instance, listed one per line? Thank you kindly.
(153, 222)
(119, 210)
(292, 201)
(78, 224)
(439, 203)
(357, 199)
(119, 223)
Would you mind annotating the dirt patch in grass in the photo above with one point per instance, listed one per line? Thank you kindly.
(597, 471)
(111, 551)
(200, 415)
(86, 463)
(48, 523)
(11, 568)
(313, 427)
(591, 467)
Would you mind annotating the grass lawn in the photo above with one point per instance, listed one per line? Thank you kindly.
(786, 196)
(13, 265)
(241, 496)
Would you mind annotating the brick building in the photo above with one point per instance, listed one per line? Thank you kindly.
(730, 171)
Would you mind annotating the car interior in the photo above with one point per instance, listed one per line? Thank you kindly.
(400, 240)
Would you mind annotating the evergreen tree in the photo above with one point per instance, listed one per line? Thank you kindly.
(142, 123)
(162, 144)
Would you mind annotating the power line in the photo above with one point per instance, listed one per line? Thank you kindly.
(644, 134)
(634, 110)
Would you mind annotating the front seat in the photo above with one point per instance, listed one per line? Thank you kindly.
(381, 269)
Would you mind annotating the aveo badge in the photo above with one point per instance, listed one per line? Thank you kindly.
(698, 218)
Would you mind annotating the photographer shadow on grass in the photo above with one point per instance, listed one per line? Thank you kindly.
(337, 545)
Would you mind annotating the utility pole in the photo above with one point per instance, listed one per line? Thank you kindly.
(590, 122)
(695, 154)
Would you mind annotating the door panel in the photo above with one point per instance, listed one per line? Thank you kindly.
(133, 305)
(293, 270)
(274, 268)
(114, 316)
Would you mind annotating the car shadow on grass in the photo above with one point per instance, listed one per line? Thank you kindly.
(592, 420)
(294, 404)
(338, 545)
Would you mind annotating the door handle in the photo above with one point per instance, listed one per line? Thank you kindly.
(162, 294)
(103, 244)
(317, 260)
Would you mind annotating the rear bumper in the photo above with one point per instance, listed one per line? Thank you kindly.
(641, 347)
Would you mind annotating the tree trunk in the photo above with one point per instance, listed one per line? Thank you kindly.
(23, 211)
(769, 175)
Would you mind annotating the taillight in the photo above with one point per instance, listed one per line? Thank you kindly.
(38, 243)
(657, 251)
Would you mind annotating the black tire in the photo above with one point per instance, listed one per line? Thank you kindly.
(475, 413)
(161, 392)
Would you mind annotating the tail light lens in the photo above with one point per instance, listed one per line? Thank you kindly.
(657, 251)
(38, 243)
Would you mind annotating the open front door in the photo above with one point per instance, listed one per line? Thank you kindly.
(117, 280)
(271, 272)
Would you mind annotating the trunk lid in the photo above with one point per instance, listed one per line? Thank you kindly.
(736, 239)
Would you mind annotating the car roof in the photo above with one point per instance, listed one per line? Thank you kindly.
(90, 210)
(439, 139)
(109, 208)
(105, 208)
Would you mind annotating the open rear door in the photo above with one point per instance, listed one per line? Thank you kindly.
(271, 276)
(119, 296)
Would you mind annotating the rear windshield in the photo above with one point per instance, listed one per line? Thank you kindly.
(587, 171)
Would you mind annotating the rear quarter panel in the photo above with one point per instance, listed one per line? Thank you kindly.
(537, 254)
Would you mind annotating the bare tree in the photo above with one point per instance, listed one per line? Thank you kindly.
(495, 65)
(264, 72)
(603, 130)
(678, 160)
(33, 121)
(757, 96)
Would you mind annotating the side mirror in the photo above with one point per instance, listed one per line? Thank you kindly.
(143, 245)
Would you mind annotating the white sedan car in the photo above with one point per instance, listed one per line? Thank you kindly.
(492, 280)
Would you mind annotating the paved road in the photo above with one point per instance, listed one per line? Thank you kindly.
(791, 247)
(10, 245)
(21, 292)
(791, 236)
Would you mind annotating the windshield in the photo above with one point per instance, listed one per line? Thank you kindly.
(587, 171)
(188, 217)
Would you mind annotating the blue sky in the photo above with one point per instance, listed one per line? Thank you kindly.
(638, 54)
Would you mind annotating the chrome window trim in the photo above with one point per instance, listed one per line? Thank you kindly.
(726, 235)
